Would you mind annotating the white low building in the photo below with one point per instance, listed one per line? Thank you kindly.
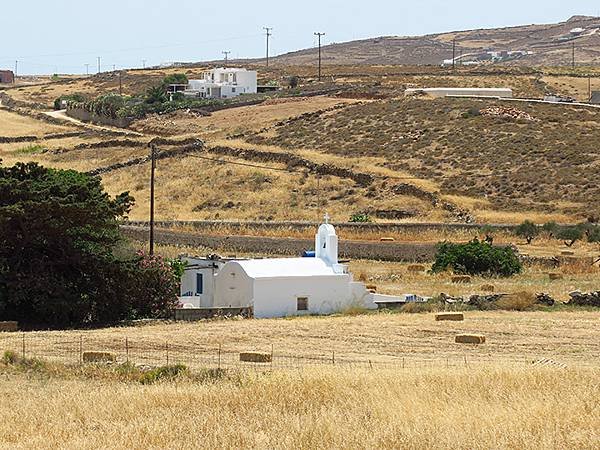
(279, 287)
(223, 83)
(460, 92)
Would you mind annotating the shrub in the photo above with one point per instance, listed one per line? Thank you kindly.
(75, 98)
(32, 149)
(294, 81)
(360, 218)
(163, 373)
(593, 234)
(570, 234)
(10, 357)
(527, 230)
(476, 258)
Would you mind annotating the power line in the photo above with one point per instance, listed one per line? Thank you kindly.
(226, 53)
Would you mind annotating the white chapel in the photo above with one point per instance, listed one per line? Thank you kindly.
(278, 287)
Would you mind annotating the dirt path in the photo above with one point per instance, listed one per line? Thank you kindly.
(62, 115)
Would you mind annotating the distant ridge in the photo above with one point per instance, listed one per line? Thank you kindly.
(550, 44)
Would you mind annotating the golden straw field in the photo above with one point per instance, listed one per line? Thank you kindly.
(491, 407)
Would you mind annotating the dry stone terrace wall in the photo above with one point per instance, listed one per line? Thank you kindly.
(385, 251)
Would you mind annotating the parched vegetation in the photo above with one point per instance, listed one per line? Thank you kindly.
(545, 165)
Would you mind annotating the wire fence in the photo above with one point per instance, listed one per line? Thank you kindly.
(72, 350)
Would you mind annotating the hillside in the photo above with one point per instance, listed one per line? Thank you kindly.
(551, 45)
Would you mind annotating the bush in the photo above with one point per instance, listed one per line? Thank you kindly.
(75, 98)
(164, 373)
(570, 234)
(476, 258)
(527, 230)
(360, 218)
(593, 234)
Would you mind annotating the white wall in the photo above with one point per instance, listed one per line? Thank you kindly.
(277, 297)
(233, 288)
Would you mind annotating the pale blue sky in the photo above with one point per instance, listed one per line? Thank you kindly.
(63, 35)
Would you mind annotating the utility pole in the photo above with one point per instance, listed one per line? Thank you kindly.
(121, 83)
(454, 54)
(16, 69)
(87, 69)
(319, 36)
(152, 170)
(226, 53)
(98, 64)
(268, 34)
(573, 56)
(114, 67)
(143, 63)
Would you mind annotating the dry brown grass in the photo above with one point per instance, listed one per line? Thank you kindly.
(13, 125)
(495, 407)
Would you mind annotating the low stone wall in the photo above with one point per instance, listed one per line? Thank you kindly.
(382, 251)
(86, 116)
(195, 314)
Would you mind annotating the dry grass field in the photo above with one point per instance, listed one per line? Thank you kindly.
(524, 408)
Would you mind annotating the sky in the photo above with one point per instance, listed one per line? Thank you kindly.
(62, 36)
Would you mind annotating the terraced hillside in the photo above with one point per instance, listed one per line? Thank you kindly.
(547, 163)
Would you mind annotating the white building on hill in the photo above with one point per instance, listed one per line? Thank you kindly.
(223, 83)
(278, 287)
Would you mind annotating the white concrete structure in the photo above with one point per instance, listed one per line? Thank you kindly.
(223, 83)
(460, 92)
(279, 287)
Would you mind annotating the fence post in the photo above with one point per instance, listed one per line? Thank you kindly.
(167, 348)
(272, 357)
(219, 357)
(23, 346)
(80, 349)
(127, 350)
(466, 361)
(333, 357)
(403, 362)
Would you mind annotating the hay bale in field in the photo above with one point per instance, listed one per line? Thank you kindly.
(452, 316)
(9, 326)
(466, 279)
(567, 253)
(416, 268)
(256, 357)
(387, 239)
(98, 357)
(488, 288)
(555, 276)
(469, 339)
(371, 288)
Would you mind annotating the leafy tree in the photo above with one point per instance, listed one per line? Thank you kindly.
(527, 230)
(570, 234)
(175, 78)
(294, 81)
(476, 258)
(61, 254)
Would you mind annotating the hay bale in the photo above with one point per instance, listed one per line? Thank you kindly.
(416, 268)
(567, 253)
(387, 239)
(9, 326)
(469, 339)
(371, 288)
(256, 357)
(98, 357)
(452, 316)
(488, 288)
(466, 279)
(555, 276)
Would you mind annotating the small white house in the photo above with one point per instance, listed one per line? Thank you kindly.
(279, 287)
(223, 83)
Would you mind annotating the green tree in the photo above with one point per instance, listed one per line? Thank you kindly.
(528, 231)
(62, 260)
(156, 94)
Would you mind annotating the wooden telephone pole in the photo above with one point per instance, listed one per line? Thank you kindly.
(319, 36)
(152, 170)
(268, 34)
